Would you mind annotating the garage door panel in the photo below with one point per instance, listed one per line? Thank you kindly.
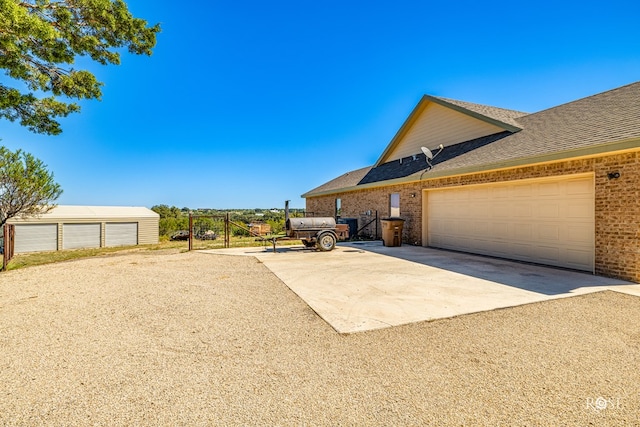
(482, 194)
(450, 227)
(523, 231)
(499, 230)
(549, 232)
(498, 248)
(545, 253)
(579, 210)
(521, 250)
(575, 187)
(549, 210)
(549, 189)
(35, 238)
(521, 191)
(438, 241)
(121, 234)
(549, 222)
(522, 210)
(579, 234)
(481, 228)
(578, 257)
(76, 236)
(465, 227)
(476, 244)
(499, 193)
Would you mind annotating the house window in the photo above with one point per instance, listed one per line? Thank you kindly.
(394, 205)
(338, 208)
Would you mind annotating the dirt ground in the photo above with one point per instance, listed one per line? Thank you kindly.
(200, 339)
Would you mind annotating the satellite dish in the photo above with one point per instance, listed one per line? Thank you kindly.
(427, 152)
(429, 156)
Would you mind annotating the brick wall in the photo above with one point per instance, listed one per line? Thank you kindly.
(617, 206)
(617, 215)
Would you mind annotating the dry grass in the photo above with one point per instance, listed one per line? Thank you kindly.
(40, 258)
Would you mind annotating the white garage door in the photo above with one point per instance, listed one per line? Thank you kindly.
(543, 221)
(121, 234)
(76, 236)
(36, 238)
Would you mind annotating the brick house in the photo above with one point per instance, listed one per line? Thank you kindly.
(559, 187)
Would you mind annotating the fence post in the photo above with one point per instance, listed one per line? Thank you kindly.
(227, 229)
(190, 231)
(5, 242)
(377, 225)
(8, 237)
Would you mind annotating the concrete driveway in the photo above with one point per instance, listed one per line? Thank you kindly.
(361, 286)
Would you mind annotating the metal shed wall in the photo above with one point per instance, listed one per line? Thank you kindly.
(147, 221)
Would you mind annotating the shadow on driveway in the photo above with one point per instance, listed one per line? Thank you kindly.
(361, 286)
(531, 277)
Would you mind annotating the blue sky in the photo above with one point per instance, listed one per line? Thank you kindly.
(245, 104)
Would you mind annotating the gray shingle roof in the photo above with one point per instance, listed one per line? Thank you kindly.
(348, 179)
(500, 114)
(599, 119)
(411, 165)
(608, 117)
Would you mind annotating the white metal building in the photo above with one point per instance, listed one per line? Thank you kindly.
(74, 227)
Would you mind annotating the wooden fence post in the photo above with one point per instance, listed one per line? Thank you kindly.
(8, 235)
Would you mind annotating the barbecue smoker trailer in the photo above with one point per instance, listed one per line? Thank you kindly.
(319, 232)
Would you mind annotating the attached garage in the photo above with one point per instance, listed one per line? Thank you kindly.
(558, 187)
(75, 227)
(548, 221)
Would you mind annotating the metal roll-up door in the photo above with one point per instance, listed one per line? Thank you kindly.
(36, 237)
(550, 221)
(75, 236)
(121, 233)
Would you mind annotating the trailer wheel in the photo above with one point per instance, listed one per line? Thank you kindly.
(326, 242)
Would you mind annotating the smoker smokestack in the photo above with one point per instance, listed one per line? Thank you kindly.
(286, 211)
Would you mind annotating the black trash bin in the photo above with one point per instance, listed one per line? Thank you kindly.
(353, 226)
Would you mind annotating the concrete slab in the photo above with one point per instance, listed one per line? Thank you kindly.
(361, 286)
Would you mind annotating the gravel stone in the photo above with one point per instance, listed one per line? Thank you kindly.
(192, 339)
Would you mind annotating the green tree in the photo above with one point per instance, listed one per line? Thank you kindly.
(26, 186)
(167, 212)
(277, 225)
(39, 42)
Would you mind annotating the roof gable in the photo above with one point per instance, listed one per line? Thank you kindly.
(603, 123)
(437, 121)
(592, 124)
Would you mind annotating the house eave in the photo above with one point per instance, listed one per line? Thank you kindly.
(632, 144)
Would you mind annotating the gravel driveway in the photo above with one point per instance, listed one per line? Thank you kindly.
(197, 339)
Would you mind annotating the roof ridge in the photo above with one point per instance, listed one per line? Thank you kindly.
(454, 101)
(499, 116)
(615, 89)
